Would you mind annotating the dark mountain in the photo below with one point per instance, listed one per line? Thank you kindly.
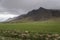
(39, 14)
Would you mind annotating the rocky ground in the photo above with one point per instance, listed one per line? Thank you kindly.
(17, 35)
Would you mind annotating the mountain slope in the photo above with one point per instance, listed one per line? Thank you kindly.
(39, 14)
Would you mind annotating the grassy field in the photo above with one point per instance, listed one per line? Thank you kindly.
(43, 26)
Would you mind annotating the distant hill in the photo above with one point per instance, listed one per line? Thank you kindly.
(39, 14)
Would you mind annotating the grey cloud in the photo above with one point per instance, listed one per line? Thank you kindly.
(52, 4)
(27, 5)
(0, 0)
(22, 4)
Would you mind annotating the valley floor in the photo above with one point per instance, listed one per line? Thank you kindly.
(34, 28)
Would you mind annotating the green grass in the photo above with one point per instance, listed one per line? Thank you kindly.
(44, 26)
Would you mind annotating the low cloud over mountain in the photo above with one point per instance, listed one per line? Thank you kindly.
(39, 14)
(28, 5)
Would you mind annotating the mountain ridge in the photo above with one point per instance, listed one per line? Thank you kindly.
(39, 14)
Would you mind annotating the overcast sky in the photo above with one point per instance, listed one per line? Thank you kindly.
(23, 6)
(6, 15)
(27, 5)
